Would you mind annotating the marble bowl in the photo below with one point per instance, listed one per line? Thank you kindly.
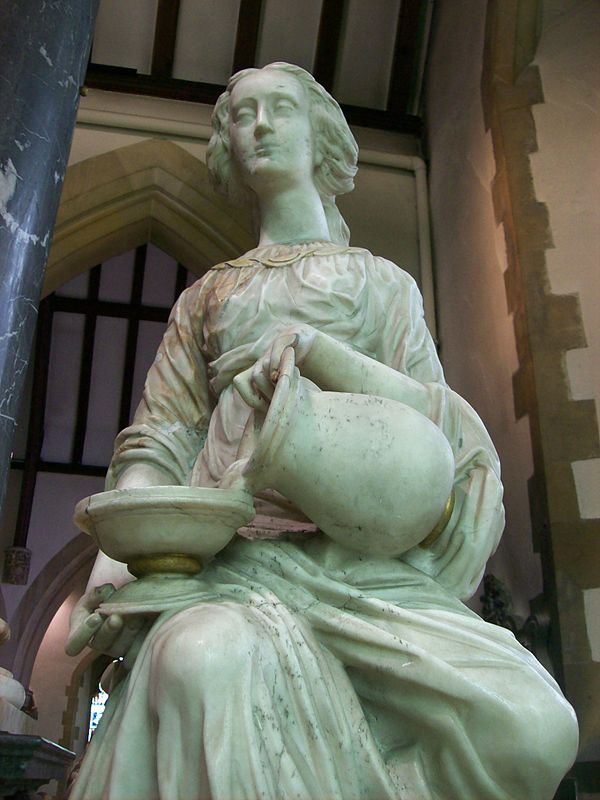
(133, 525)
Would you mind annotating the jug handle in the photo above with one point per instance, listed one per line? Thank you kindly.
(287, 362)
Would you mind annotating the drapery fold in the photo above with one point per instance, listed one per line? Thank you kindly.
(300, 669)
(311, 682)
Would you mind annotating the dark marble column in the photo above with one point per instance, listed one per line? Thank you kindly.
(44, 47)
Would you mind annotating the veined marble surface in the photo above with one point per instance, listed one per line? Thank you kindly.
(43, 52)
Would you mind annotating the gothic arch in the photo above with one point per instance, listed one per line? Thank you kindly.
(151, 191)
(63, 573)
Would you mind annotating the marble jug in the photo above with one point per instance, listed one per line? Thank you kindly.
(331, 454)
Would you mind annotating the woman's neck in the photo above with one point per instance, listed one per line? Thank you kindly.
(291, 216)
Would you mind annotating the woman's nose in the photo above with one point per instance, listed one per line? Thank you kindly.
(263, 122)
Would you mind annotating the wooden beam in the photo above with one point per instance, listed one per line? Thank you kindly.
(385, 120)
(328, 42)
(66, 468)
(127, 81)
(133, 327)
(165, 36)
(180, 281)
(246, 40)
(85, 371)
(107, 308)
(406, 51)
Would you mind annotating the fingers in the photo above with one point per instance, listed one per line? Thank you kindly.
(111, 635)
(233, 477)
(99, 594)
(257, 383)
(261, 380)
(244, 384)
(279, 346)
(108, 634)
(118, 634)
(102, 593)
(82, 634)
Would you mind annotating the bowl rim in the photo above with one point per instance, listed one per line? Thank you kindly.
(140, 500)
(233, 508)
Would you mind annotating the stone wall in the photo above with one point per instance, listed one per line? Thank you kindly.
(566, 176)
(477, 339)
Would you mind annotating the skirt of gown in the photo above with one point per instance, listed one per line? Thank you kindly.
(300, 671)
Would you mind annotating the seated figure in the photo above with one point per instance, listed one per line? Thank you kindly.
(305, 668)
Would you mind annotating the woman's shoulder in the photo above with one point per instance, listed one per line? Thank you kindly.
(385, 272)
(191, 301)
(389, 269)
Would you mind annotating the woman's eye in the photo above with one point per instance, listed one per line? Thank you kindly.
(283, 107)
(244, 115)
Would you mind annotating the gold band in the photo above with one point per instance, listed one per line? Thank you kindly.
(441, 525)
(164, 562)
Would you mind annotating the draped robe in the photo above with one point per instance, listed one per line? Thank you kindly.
(301, 669)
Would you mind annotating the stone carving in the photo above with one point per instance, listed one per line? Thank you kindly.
(336, 661)
(17, 561)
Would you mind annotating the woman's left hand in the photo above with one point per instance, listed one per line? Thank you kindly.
(257, 383)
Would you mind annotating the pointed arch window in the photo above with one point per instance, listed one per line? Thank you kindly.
(96, 338)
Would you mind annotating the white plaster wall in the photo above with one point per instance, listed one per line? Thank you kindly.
(476, 331)
(566, 172)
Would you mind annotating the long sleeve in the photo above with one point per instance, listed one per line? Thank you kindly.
(171, 421)
(457, 559)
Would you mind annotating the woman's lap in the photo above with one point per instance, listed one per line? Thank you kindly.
(254, 696)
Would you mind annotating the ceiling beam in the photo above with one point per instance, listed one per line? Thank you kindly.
(121, 79)
(405, 56)
(328, 42)
(115, 79)
(131, 341)
(165, 36)
(246, 39)
(85, 367)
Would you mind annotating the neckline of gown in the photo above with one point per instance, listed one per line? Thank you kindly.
(281, 255)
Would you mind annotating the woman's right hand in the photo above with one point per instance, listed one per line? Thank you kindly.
(115, 635)
(257, 383)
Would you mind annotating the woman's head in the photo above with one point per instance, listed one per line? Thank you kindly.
(335, 149)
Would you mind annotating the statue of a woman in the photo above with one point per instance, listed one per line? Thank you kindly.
(306, 669)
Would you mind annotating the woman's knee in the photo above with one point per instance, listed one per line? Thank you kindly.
(534, 741)
(214, 640)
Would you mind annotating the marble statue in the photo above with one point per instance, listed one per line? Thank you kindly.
(325, 651)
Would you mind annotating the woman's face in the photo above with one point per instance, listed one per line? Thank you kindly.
(270, 131)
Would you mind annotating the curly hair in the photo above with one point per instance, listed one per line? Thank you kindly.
(334, 142)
